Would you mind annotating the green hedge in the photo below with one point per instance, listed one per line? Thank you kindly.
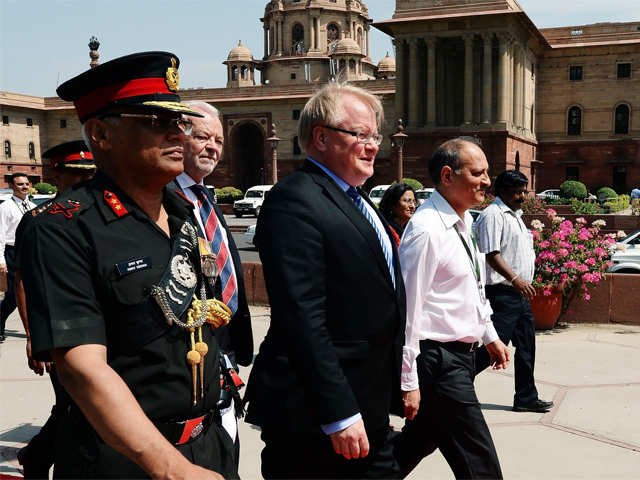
(228, 194)
(617, 204)
(584, 208)
(413, 183)
(605, 193)
(573, 189)
(44, 188)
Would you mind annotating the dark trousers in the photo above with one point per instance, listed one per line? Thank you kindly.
(295, 456)
(9, 303)
(513, 321)
(449, 417)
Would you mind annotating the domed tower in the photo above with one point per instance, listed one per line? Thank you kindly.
(346, 61)
(386, 67)
(240, 67)
(301, 36)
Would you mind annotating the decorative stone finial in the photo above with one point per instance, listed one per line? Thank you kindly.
(94, 44)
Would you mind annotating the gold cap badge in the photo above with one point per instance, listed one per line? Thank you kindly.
(172, 76)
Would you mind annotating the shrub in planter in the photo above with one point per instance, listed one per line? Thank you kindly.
(533, 206)
(617, 204)
(228, 194)
(44, 188)
(573, 189)
(584, 208)
(605, 192)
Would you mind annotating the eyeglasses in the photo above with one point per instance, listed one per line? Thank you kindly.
(362, 137)
(158, 123)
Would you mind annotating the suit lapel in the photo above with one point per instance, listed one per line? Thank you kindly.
(352, 212)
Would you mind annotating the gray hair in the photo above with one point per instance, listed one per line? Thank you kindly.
(325, 108)
(204, 107)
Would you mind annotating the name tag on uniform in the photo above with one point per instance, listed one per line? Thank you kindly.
(131, 266)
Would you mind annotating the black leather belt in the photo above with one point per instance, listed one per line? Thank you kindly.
(179, 433)
(456, 346)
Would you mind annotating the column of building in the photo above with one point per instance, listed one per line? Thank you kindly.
(487, 38)
(368, 44)
(468, 78)
(503, 69)
(431, 80)
(400, 75)
(266, 39)
(414, 73)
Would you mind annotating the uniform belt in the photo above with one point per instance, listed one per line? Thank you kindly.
(455, 346)
(179, 433)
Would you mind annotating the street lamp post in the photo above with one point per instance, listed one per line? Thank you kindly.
(273, 142)
(398, 140)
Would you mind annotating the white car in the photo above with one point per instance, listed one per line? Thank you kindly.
(549, 194)
(423, 194)
(249, 234)
(626, 258)
(377, 192)
(252, 201)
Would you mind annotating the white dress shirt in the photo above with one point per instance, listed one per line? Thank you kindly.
(11, 212)
(444, 300)
(500, 229)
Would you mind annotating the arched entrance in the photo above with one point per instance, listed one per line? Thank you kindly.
(247, 143)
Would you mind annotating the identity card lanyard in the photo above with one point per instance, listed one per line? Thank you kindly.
(474, 262)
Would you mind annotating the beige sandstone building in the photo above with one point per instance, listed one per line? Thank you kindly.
(555, 103)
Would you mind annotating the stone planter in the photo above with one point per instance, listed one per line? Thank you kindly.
(546, 309)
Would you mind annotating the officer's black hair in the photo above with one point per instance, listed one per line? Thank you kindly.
(508, 179)
(16, 175)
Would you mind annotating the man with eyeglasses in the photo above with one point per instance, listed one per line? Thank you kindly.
(11, 212)
(508, 245)
(328, 369)
(118, 294)
(202, 151)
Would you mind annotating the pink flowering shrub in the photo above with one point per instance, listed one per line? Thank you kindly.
(571, 257)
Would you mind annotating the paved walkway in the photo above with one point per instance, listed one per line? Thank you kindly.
(592, 372)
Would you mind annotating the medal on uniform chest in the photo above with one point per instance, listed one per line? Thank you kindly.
(179, 286)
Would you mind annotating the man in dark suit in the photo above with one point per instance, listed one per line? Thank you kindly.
(327, 372)
(202, 151)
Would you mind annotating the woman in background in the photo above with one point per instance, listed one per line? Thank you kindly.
(397, 205)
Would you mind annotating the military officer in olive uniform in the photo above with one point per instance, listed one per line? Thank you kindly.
(118, 289)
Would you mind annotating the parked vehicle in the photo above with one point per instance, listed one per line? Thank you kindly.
(250, 233)
(549, 194)
(252, 201)
(423, 194)
(39, 199)
(377, 192)
(627, 259)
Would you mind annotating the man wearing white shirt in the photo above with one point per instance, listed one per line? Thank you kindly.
(447, 314)
(202, 151)
(11, 212)
(508, 244)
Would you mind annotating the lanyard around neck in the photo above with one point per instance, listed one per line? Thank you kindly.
(472, 258)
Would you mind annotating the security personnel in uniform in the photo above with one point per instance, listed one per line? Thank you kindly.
(71, 163)
(118, 289)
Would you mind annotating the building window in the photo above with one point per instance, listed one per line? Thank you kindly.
(352, 66)
(5, 119)
(296, 146)
(572, 173)
(575, 73)
(622, 119)
(624, 70)
(29, 122)
(574, 121)
(518, 161)
(7, 148)
(296, 115)
(32, 151)
(244, 72)
(333, 33)
(293, 76)
(63, 123)
(234, 73)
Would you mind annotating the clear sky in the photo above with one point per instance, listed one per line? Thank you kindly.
(44, 42)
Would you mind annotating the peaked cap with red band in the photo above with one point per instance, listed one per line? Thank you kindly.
(70, 155)
(147, 80)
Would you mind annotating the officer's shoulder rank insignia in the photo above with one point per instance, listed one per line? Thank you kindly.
(65, 207)
(114, 203)
(172, 76)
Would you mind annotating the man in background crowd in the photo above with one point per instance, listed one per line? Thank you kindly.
(70, 163)
(11, 212)
(202, 151)
(447, 314)
(508, 245)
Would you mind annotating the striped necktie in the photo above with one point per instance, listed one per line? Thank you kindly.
(386, 249)
(213, 231)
